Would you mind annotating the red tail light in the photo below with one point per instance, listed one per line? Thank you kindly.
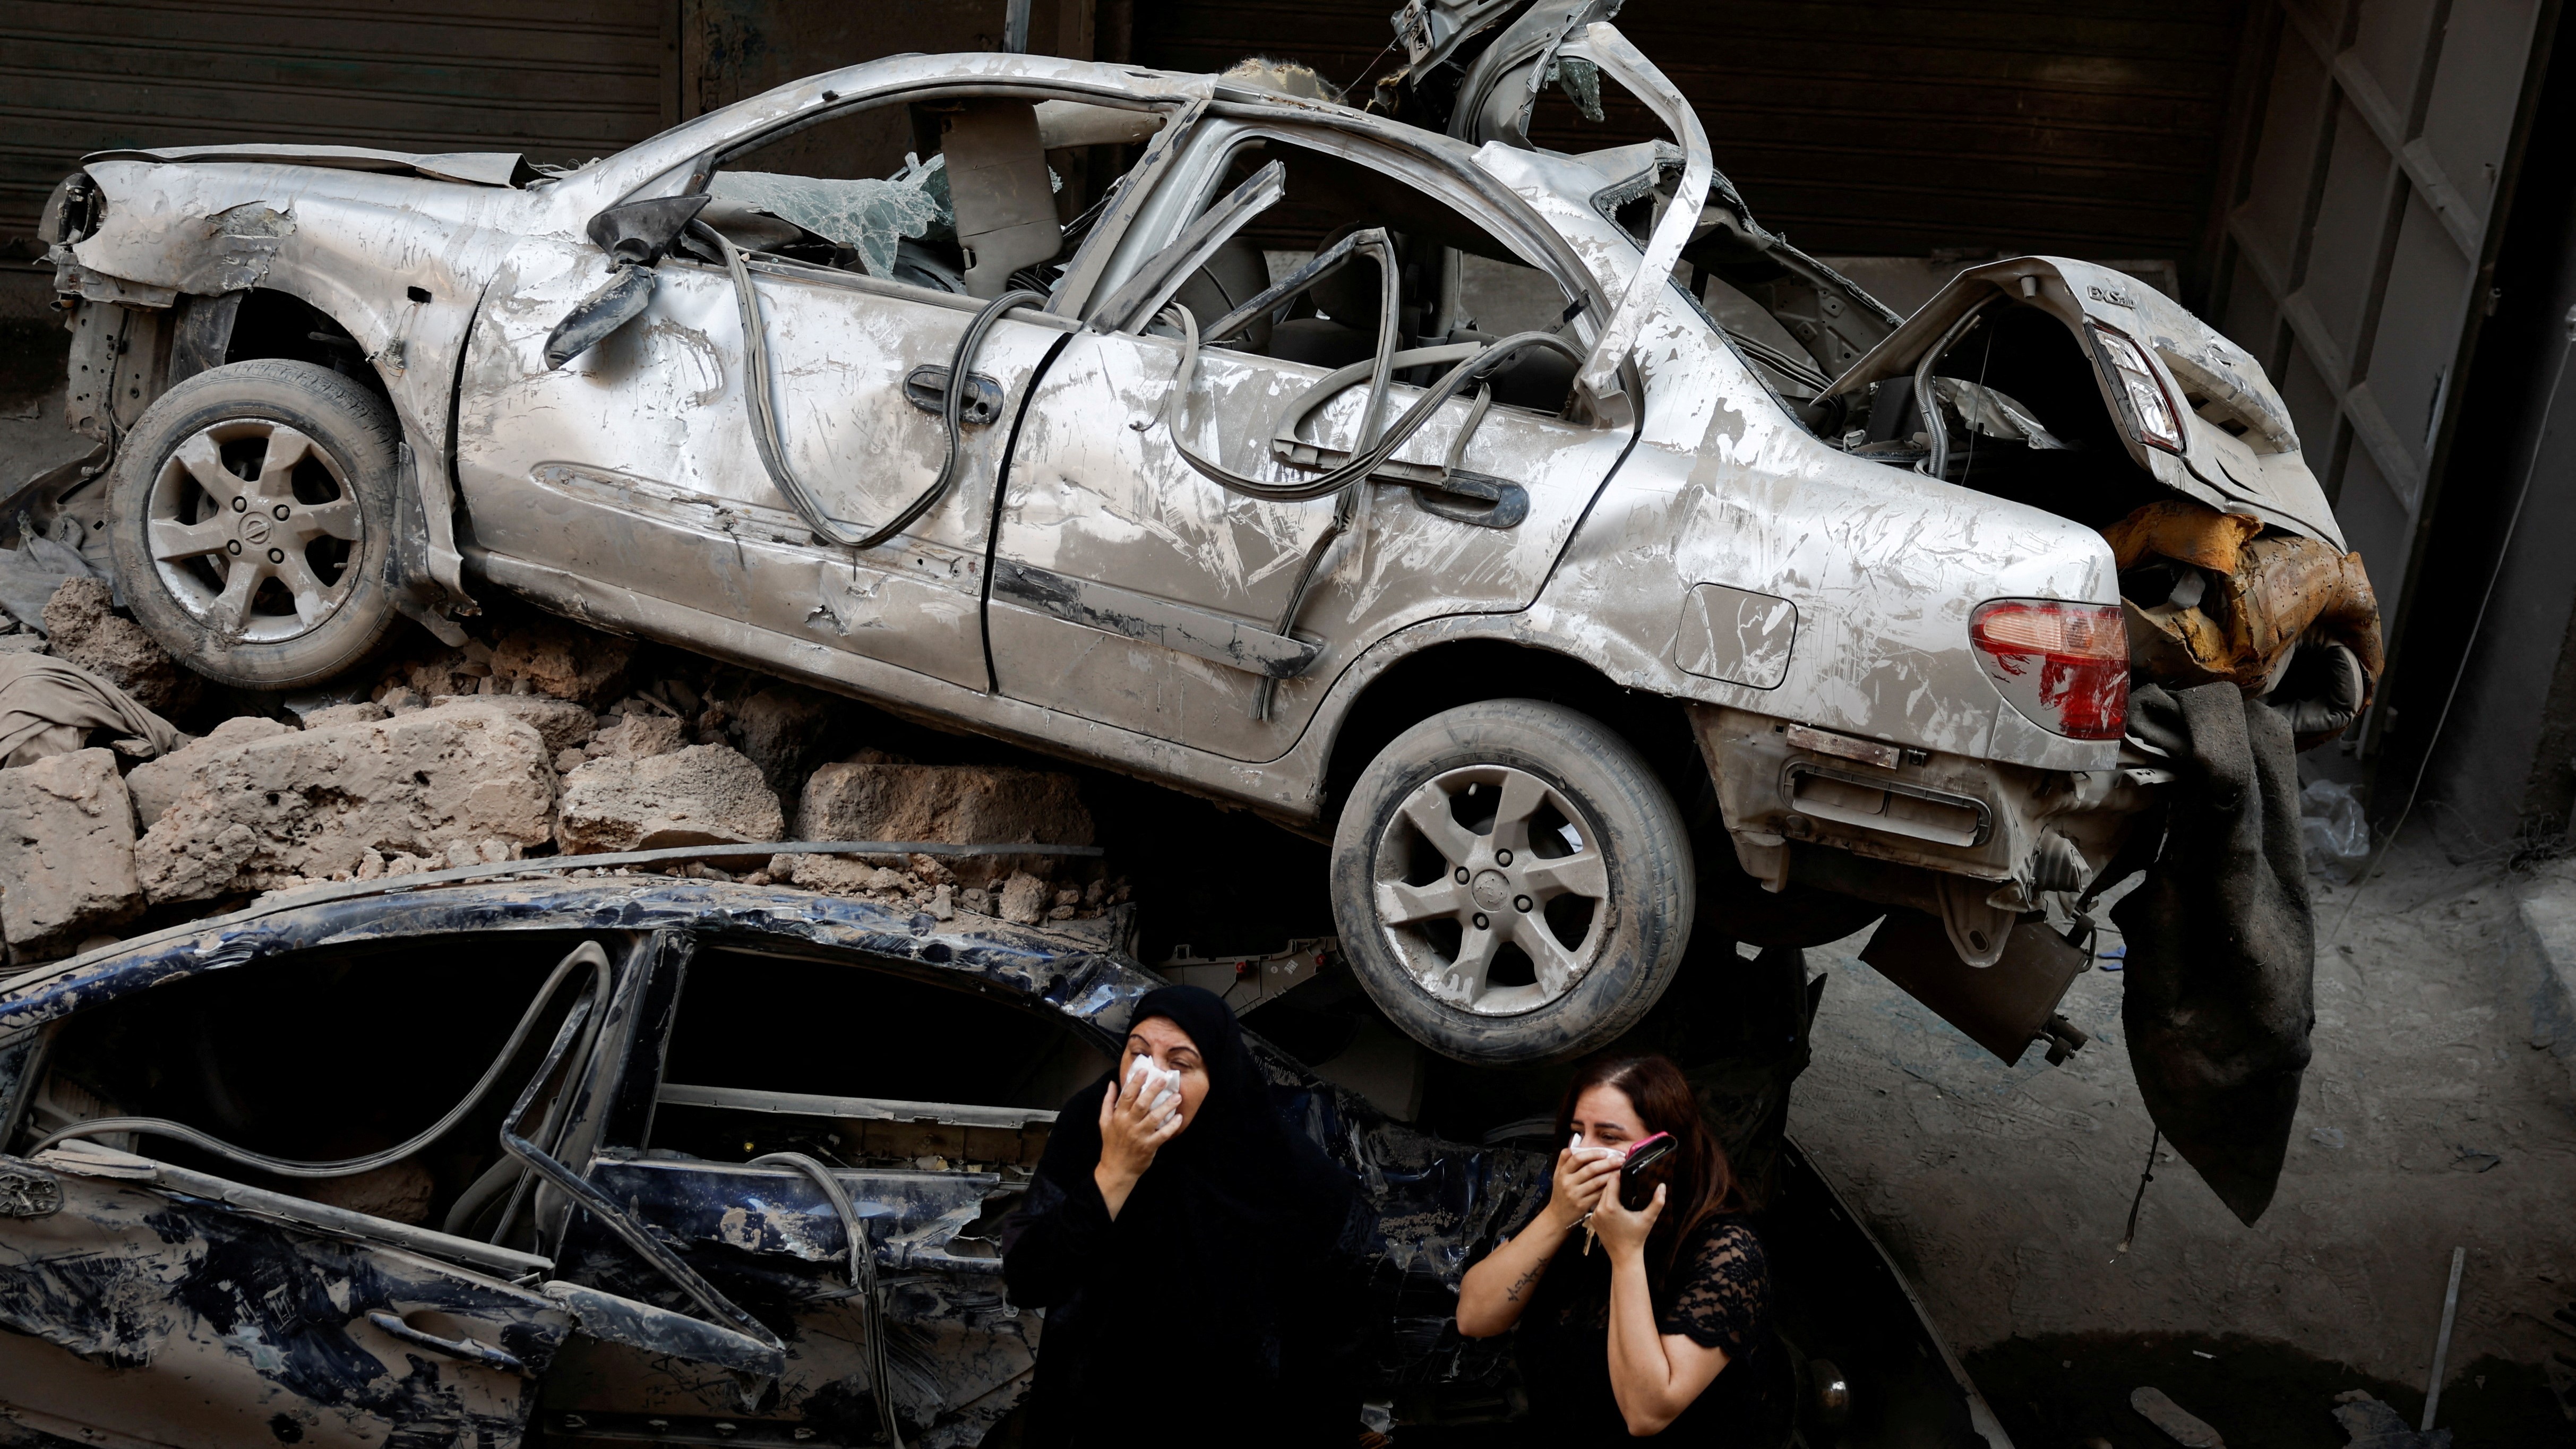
(2064, 666)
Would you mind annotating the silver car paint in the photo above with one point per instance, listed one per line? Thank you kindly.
(1876, 569)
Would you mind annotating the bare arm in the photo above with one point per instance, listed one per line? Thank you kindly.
(1492, 1295)
(1653, 1376)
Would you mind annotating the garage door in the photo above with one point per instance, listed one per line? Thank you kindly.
(559, 80)
(2361, 240)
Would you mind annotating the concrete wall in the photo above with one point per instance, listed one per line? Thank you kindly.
(2428, 1121)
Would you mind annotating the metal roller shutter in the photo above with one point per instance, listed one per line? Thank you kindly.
(557, 81)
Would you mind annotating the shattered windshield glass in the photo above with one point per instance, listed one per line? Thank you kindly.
(870, 217)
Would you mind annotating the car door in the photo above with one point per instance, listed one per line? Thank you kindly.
(926, 1104)
(1131, 589)
(150, 1300)
(629, 478)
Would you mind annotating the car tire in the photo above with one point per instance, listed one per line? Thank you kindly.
(1552, 830)
(255, 575)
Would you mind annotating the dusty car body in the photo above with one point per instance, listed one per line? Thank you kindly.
(1830, 652)
(154, 1291)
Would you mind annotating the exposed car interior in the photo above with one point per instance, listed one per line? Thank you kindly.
(745, 1077)
(970, 195)
(1335, 321)
(761, 1059)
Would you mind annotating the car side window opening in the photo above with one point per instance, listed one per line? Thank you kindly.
(860, 1067)
(313, 1061)
(969, 195)
(1457, 283)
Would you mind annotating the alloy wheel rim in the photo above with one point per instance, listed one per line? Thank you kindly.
(253, 530)
(1491, 888)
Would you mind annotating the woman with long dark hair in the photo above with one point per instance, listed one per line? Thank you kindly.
(1198, 1259)
(1662, 1327)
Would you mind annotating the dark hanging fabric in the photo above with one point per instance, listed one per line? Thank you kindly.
(1224, 1303)
(2222, 942)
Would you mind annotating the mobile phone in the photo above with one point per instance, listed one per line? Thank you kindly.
(1643, 1170)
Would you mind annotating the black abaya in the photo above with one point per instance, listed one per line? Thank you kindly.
(1223, 1302)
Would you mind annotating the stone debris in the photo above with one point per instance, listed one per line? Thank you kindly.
(548, 739)
(156, 784)
(83, 627)
(561, 723)
(66, 854)
(640, 736)
(880, 799)
(700, 795)
(364, 711)
(309, 804)
(562, 660)
(785, 730)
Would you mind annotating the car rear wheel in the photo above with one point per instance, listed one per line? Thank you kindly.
(253, 522)
(1512, 883)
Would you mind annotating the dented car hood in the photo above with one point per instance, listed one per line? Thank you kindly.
(2259, 470)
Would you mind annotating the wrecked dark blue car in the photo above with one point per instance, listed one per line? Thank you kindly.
(585, 1160)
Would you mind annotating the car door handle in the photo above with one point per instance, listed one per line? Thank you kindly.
(926, 387)
(461, 1348)
(1474, 498)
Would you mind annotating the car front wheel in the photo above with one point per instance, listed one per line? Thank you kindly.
(253, 513)
(1512, 883)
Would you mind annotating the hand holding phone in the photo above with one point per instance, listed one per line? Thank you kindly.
(1646, 1168)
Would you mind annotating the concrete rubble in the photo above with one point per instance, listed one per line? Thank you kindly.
(547, 739)
(66, 853)
(82, 626)
(698, 795)
(454, 783)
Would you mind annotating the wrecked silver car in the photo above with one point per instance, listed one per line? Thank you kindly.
(1462, 533)
(634, 1160)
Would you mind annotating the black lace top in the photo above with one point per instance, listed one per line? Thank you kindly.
(1718, 1292)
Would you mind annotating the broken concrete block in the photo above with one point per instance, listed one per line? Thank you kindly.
(956, 804)
(1023, 901)
(563, 660)
(560, 722)
(66, 853)
(364, 711)
(156, 784)
(641, 736)
(83, 627)
(701, 795)
(311, 803)
(786, 730)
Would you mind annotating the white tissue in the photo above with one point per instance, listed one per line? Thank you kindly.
(1155, 1087)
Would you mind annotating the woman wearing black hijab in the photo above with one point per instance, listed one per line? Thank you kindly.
(1199, 1261)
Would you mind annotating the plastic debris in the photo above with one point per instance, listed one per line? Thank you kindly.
(2156, 1408)
(2337, 833)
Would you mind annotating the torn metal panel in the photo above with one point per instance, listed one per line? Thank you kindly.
(168, 1318)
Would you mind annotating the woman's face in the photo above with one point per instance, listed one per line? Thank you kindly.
(1606, 1118)
(1172, 1050)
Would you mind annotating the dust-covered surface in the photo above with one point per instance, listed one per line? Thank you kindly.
(2428, 1121)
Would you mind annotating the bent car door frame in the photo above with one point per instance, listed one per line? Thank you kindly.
(959, 1354)
(151, 1303)
(1122, 575)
